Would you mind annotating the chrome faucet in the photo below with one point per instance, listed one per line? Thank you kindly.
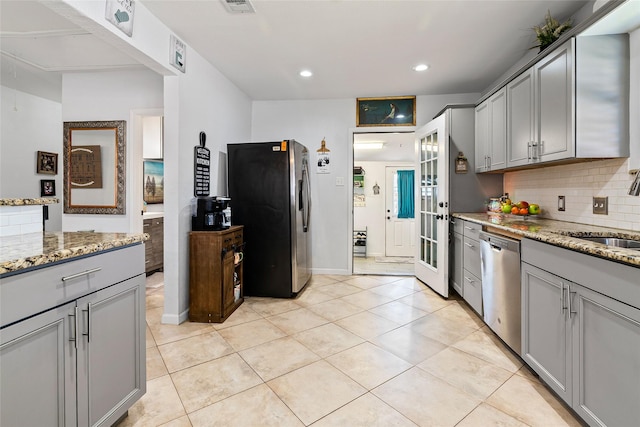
(634, 190)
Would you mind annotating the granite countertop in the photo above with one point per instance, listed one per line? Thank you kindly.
(25, 202)
(36, 249)
(561, 233)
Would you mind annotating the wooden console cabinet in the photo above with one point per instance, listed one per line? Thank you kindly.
(154, 247)
(215, 278)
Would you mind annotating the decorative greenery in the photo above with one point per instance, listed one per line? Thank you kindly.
(550, 31)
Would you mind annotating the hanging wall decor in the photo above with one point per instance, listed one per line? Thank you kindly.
(47, 163)
(120, 13)
(323, 158)
(201, 167)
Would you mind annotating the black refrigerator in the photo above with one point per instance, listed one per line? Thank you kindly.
(270, 196)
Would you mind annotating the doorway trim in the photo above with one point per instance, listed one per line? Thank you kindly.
(352, 132)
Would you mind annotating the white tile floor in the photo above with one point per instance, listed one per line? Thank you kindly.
(349, 351)
(396, 266)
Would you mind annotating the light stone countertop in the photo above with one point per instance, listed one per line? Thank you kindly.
(561, 233)
(32, 250)
(26, 202)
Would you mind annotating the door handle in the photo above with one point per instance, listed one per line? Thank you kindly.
(388, 217)
(439, 216)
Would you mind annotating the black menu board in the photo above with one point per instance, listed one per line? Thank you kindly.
(201, 168)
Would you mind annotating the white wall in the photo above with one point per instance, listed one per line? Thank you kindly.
(200, 100)
(111, 95)
(372, 215)
(29, 124)
(309, 122)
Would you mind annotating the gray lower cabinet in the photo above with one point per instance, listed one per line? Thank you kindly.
(456, 273)
(471, 272)
(81, 363)
(37, 370)
(584, 345)
(606, 359)
(546, 329)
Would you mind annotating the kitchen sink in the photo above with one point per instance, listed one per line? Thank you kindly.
(612, 241)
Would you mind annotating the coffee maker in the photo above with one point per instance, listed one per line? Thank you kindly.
(208, 214)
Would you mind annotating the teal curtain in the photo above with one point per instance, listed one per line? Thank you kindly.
(405, 194)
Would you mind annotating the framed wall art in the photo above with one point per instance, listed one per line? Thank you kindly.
(388, 111)
(47, 188)
(153, 171)
(47, 163)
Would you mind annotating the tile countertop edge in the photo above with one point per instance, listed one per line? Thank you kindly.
(111, 242)
(559, 233)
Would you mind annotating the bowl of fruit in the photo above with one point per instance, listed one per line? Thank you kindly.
(521, 208)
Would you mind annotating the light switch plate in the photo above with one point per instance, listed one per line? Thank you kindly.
(601, 205)
(561, 205)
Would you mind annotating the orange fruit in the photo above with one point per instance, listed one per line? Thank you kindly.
(515, 210)
(524, 211)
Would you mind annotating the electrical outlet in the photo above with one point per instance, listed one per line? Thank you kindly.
(561, 205)
(601, 205)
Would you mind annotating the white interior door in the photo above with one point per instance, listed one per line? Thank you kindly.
(432, 204)
(399, 232)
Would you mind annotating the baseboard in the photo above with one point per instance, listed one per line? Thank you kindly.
(338, 272)
(172, 319)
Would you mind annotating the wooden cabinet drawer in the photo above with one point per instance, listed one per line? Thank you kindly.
(55, 284)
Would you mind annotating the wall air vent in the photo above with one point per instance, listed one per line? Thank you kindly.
(238, 6)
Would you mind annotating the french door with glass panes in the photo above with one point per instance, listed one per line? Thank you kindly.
(432, 199)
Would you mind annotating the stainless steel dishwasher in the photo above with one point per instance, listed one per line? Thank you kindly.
(500, 267)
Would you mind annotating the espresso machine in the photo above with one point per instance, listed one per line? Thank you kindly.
(207, 214)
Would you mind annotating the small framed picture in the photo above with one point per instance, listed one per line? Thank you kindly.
(47, 188)
(388, 111)
(47, 163)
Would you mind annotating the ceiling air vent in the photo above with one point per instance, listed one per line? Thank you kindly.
(238, 6)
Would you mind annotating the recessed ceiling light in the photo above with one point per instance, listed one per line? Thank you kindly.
(306, 73)
(421, 67)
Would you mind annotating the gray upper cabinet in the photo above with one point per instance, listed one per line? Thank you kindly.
(540, 111)
(490, 133)
(554, 106)
(572, 104)
(520, 119)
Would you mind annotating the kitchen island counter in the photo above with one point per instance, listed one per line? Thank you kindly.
(560, 233)
(32, 250)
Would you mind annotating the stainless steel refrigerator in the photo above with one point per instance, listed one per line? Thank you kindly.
(270, 196)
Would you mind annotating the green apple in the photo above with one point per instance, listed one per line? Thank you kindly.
(534, 209)
(506, 208)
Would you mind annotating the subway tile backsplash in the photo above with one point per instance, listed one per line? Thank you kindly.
(17, 220)
(579, 183)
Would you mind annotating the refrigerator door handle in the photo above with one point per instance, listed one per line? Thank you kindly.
(307, 204)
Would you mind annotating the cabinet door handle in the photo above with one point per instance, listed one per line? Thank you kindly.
(562, 305)
(468, 279)
(84, 273)
(469, 245)
(488, 162)
(468, 228)
(74, 327)
(569, 298)
(88, 311)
